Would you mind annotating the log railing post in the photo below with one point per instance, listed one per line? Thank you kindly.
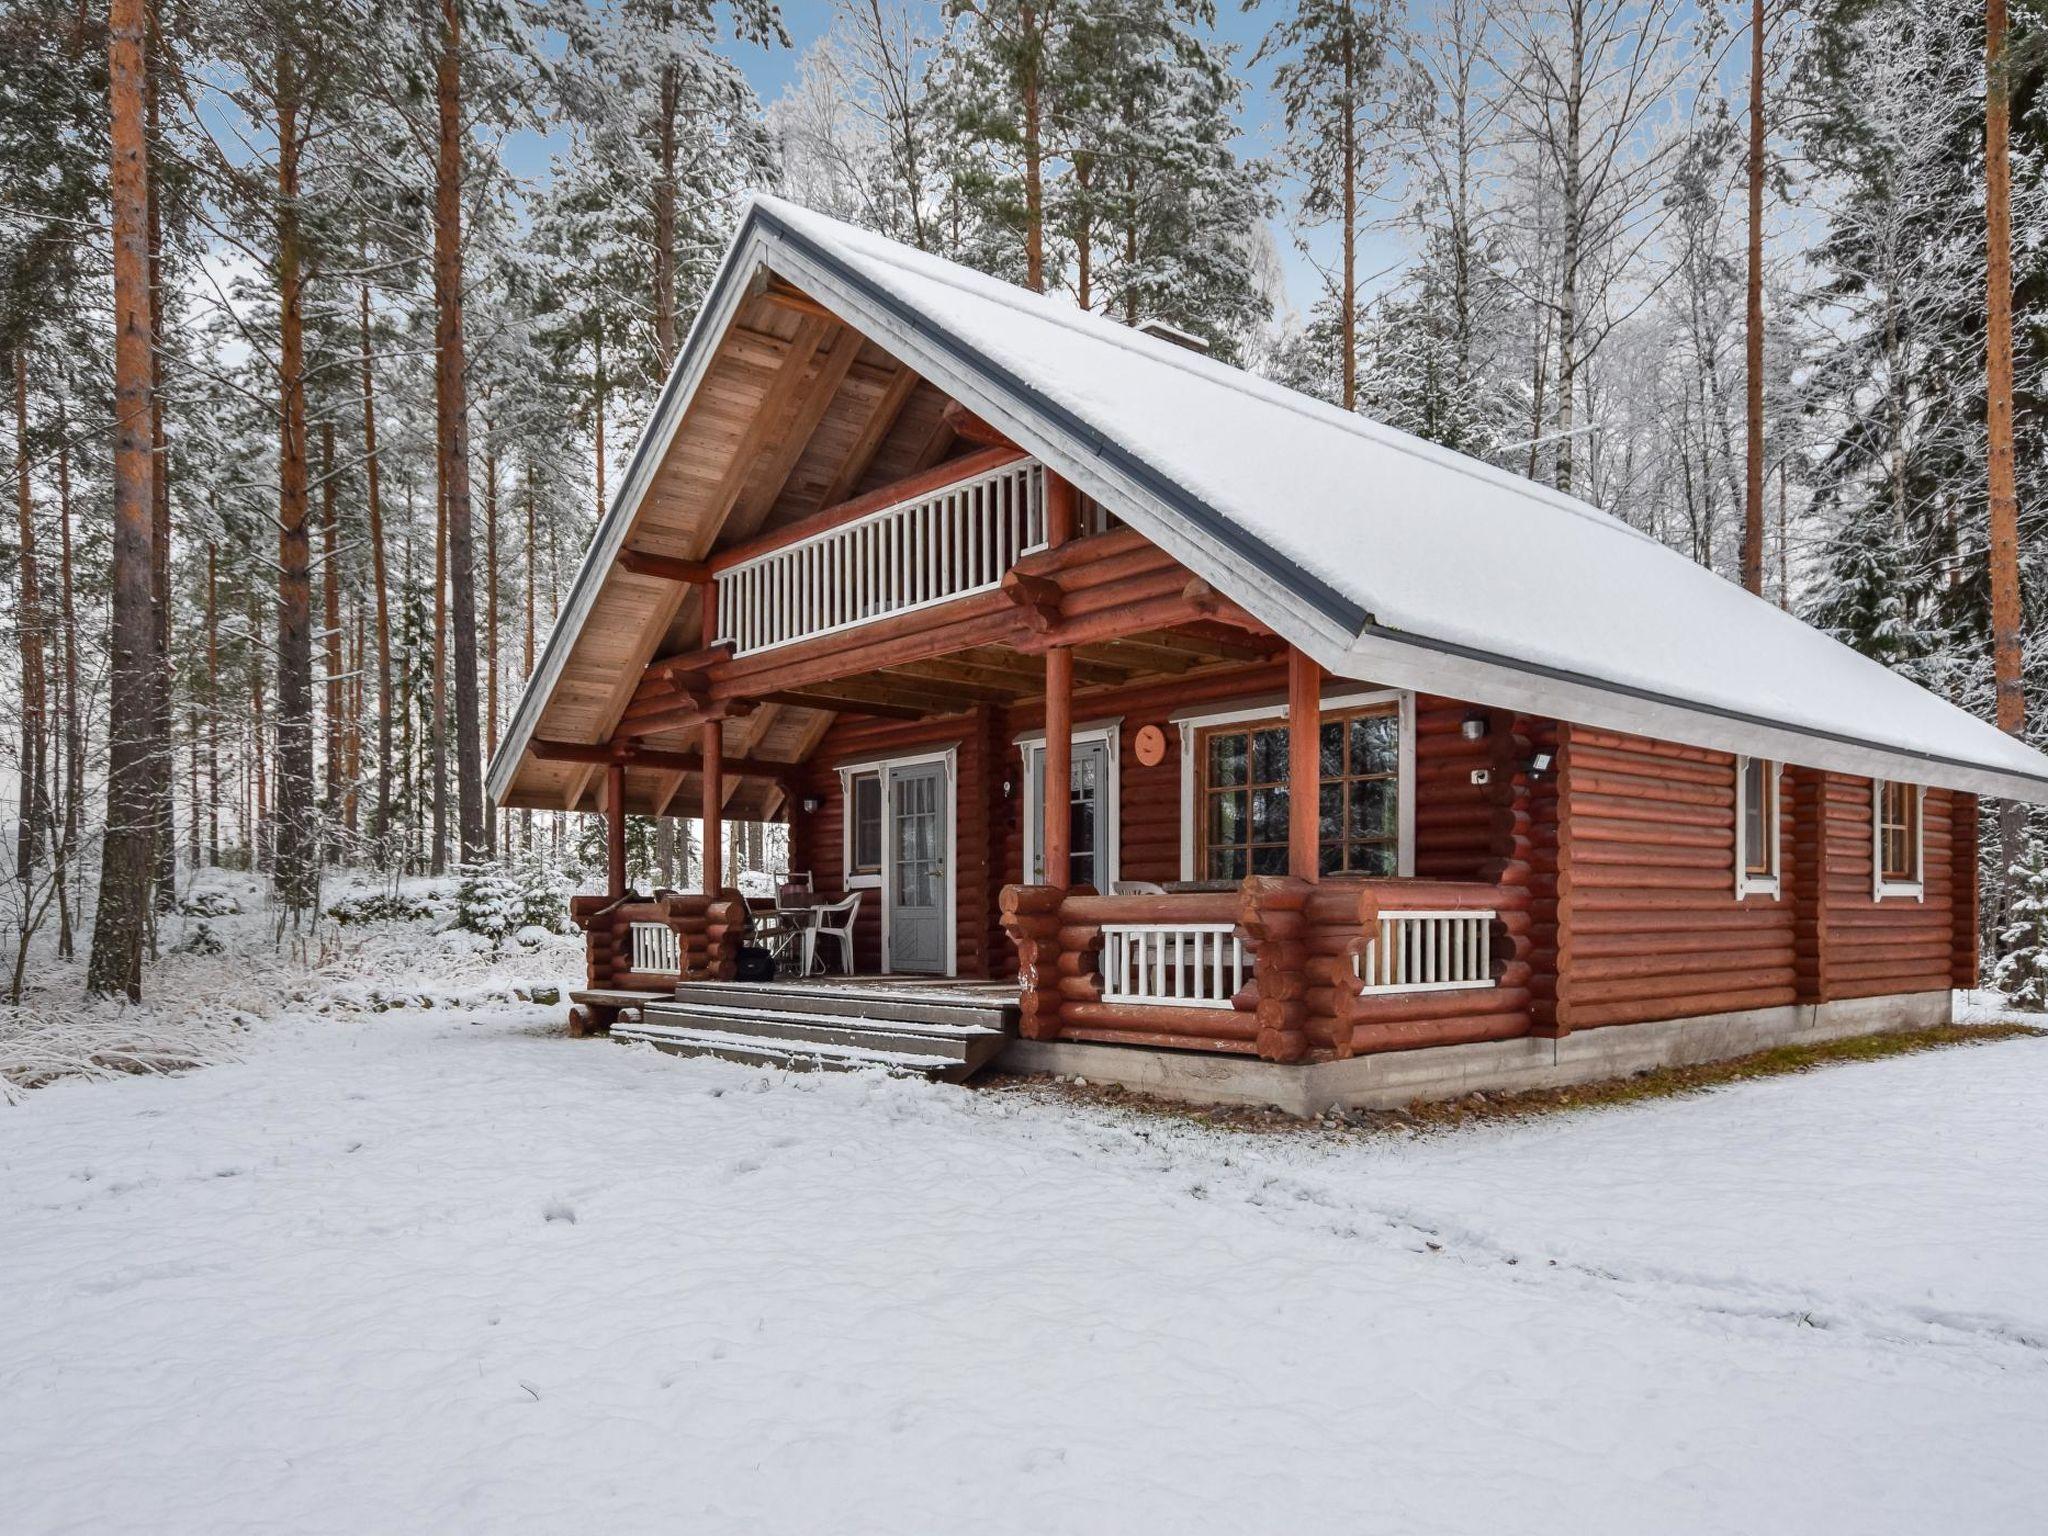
(1273, 916)
(1031, 918)
(712, 774)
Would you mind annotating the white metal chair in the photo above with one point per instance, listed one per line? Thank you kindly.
(836, 922)
(1139, 888)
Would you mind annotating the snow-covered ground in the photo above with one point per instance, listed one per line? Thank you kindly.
(445, 1270)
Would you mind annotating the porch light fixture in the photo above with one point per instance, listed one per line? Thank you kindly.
(1539, 765)
(813, 805)
(1473, 727)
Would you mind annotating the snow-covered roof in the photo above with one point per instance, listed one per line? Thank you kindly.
(1385, 557)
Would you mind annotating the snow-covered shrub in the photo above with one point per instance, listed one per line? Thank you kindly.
(2021, 971)
(210, 902)
(489, 901)
(382, 907)
(543, 894)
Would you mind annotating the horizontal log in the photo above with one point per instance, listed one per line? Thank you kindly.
(1160, 1039)
(665, 567)
(1195, 1023)
(1369, 1038)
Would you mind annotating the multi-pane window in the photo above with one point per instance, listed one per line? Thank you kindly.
(1241, 820)
(1898, 832)
(864, 810)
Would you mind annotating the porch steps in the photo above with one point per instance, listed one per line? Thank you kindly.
(943, 1034)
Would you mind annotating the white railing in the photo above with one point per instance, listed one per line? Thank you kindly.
(656, 951)
(1189, 965)
(961, 539)
(1428, 952)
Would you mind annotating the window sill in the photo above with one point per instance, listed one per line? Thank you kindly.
(1900, 890)
(1747, 886)
(863, 882)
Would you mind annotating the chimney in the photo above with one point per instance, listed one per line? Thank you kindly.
(1174, 334)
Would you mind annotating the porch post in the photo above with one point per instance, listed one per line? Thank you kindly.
(1059, 708)
(712, 773)
(615, 829)
(1304, 764)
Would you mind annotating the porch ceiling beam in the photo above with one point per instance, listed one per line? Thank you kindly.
(970, 428)
(845, 704)
(770, 418)
(633, 756)
(874, 432)
(641, 562)
(778, 462)
(769, 288)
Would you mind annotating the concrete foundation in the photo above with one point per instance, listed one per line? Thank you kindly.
(1390, 1079)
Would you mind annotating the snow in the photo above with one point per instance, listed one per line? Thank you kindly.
(443, 1269)
(1425, 540)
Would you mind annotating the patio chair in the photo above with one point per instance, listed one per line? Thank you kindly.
(836, 923)
(1139, 888)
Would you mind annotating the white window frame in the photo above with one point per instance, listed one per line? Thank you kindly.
(1029, 746)
(1193, 723)
(1747, 884)
(1898, 890)
(866, 880)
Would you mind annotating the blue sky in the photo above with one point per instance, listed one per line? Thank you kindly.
(771, 70)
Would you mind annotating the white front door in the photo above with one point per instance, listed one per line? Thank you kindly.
(915, 871)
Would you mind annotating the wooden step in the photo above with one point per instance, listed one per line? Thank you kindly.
(800, 1036)
(927, 1004)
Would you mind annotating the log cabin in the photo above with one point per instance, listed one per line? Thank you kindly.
(1167, 727)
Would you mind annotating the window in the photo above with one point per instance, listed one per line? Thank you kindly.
(1095, 789)
(1756, 819)
(1242, 802)
(1896, 839)
(864, 824)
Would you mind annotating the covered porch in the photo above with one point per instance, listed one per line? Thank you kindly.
(1071, 772)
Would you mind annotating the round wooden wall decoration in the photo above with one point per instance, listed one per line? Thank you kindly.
(1150, 745)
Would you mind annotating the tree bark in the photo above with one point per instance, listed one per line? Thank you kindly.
(74, 725)
(1033, 27)
(1753, 484)
(1347, 307)
(165, 850)
(2007, 659)
(116, 965)
(212, 708)
(453, 433)
(437, 858)
(295, 872)
(380, 827)
(330, 619)
(33, 807)
(490, 613)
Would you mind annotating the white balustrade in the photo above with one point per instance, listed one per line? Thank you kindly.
(958, 540)
(656, 951)
(1428, 952)
(1187, 965)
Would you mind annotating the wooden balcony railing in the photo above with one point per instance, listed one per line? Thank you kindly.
(949, 543)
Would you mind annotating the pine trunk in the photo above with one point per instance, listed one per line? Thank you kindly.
(74, 725)
(453, 433)
(380, 826)
(116, 965)
(330, 618)
(1753, 484)
(297, 848)
(165, 849)
(2007, 658)
(33, 806)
